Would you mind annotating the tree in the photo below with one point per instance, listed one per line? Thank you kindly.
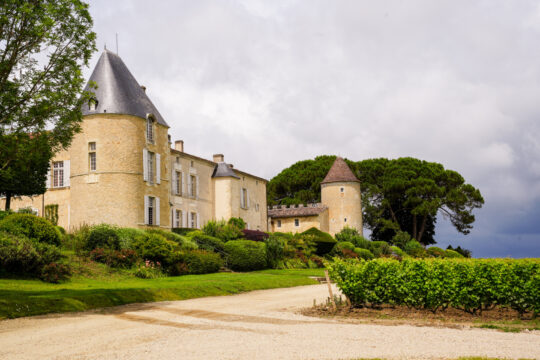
(407, 194)
(26, 173)
(300, 183)
(43, 46)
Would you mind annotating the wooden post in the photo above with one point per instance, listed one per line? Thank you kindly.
(330, 290)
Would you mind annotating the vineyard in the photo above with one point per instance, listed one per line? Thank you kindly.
(471, 285)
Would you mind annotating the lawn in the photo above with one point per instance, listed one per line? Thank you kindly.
(32, 297)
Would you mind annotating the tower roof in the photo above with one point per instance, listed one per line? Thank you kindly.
(117, 90)
(224, 170)
(340, 172)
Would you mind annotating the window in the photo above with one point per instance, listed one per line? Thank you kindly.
(257, 207)
(177, 218)
(151, 217)
(58, 174)
(279, 223)
(150, 167)
(296, 222)
(193, 185)
(92, 104)
(342, 190)
(193, 220)
(178, 159)
(92, 162)
(150, 129)
(244, 199)
(178, 184)
(191, 163)
(345, 220)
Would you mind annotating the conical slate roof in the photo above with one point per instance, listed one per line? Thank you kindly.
(224, 170)
(340, 172)
(117, 90)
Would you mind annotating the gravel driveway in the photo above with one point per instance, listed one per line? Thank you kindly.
(256, 325)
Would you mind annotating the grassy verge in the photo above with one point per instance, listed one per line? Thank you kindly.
(31, 297)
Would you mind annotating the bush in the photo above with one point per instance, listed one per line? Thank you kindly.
(352, 235)
(414, 248)
(401, 238)
(436, 252)
(206, 242)
(184, 242)
(127, 235)
(380, 248)
(182, 231)
(124, 258)
(224, 231)
(103, 236)
(363, 253)
(317, 261)
(323, 241)
(255, 235)
(345, 245)
(275, 246)
(154, 248)
(245, 255)
(466, 253)
(451, 254)
(396, 251)
(148, 270)
(55, 273)
(32, 227)
(4, 214)
(197, 262)
(21, 256)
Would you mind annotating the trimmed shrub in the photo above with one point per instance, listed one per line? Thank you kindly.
(237, 222)
(103, 236)
(345, 245)
(155, 248)
(451, 254)
(206, 242)
(245, 255)
(380, 248)
(414, 248)
(184, 242)
(222, 230)
(31, 226)
(255, 235)
(323, 241)
(127, 235)
(55, 273)
(197, 262)
(396, 251)
(275, 250)
(182, 231)
(3, 214)
(363, 253)
(436, 252)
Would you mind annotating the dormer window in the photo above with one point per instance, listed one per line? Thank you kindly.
(150, 129)
(92, 104)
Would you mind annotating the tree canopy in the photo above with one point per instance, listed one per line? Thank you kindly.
(43, 46)
(398, 195)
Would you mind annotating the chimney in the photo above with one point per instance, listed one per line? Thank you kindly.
(143, 88)
(219, 158)
(179, 145)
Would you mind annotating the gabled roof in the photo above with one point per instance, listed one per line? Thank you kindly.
(224, 170)
(340, 172)
(117, 90)
(296, 211)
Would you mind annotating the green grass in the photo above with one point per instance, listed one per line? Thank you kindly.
(19, 297)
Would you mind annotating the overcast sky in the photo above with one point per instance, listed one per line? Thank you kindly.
(269, 83)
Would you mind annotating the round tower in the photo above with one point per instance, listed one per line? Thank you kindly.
(120, 159)
(340, 192)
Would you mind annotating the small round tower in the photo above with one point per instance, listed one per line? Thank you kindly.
(340, 192)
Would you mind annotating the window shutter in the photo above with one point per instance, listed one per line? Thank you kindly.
(158, 168)
(184, 219)
(48, 181)
(173, 217)
(157, 211)
(197, 186)
(242, 197)
(146, 203)
(182, 191)
(190, 188)
(173, 182)
(145, 166)
(247, 199)
(198, 221)
(66, 173)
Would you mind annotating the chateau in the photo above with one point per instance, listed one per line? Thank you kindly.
(123, 169)
(340, 206)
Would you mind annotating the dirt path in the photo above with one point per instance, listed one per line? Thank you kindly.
(255, 325)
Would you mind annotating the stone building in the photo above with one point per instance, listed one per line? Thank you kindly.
(120, 169)
(340, 206)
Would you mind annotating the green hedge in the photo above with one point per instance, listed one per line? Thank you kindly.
(197, 262)
(434, 284)
(32, 227)
(207, 242)
(245, 255)
(324, 241)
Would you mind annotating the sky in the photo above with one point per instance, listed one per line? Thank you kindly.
(269, 83)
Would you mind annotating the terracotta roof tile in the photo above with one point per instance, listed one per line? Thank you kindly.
(299, 211)
(340, 172)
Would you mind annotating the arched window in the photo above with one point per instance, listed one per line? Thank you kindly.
(92, 104)
(150, 128)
